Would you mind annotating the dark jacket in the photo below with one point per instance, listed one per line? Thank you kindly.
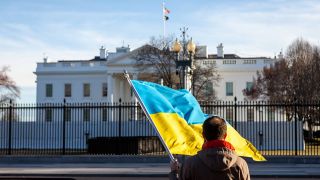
(214, 163)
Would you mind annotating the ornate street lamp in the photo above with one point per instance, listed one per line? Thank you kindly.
(184, 64)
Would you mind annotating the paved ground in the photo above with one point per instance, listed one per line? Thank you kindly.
(138, 167)
(143, 171)
(124, 178)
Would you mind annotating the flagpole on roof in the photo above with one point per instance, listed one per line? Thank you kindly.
(126, 75)
(164, 20)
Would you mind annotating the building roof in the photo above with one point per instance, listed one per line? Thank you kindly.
(96, 58)
(226, 56)
(229, 56)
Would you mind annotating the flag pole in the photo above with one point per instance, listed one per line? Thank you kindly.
(164, 21)
(126, 75)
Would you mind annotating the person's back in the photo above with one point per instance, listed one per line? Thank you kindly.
(215, 163)
(217, 159)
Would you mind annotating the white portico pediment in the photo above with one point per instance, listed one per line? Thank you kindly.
(124, 62)
(126, 59)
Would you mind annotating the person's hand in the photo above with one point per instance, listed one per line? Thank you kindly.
(175, 166)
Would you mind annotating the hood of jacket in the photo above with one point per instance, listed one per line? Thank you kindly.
(218, 159)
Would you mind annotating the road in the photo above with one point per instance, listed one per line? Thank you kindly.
(119, 178)
(140, 171)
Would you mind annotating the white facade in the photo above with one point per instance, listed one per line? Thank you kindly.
(74, 73)
(95, 72)
(108, 68)
(237, 71)
(233, 69)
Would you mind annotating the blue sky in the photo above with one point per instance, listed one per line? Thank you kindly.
(75, 29)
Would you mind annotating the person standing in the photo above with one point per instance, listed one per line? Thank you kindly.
(217, 159)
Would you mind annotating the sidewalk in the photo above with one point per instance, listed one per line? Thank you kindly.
(141, 169)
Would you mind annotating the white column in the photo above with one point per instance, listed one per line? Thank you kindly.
(121, 90)
(110, 96)
(134, 100)
(110, 88)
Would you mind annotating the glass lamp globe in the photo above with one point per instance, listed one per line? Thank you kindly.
(176, 46)
(191, 46)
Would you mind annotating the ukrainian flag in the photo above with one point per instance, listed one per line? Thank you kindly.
(178, 118)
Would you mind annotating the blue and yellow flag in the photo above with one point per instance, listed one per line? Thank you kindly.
(178, 117)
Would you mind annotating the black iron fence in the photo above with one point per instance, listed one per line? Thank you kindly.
(286, 128)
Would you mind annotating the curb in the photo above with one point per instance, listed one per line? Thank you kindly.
(18, 159)
(12, 159)
(82, 159)
(287, 160)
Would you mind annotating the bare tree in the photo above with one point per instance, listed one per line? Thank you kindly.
(204, 78)
(294, 79)
(157, 58)
(272, 83)
(8, 92)
(8, 88)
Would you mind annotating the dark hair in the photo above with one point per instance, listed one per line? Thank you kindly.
(214, 128)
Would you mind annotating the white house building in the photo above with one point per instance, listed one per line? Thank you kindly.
(101, 79)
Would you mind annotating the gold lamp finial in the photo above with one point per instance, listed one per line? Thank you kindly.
(176, 46)
(191, 47)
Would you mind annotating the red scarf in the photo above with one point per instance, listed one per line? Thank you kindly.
(217, 144)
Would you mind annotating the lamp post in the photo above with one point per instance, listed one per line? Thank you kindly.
(184, 64)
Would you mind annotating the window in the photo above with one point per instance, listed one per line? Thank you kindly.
(86, 90)
(249, 86)
(104, 89)
(229, 114)
(250, 114)
(67, 90)
(48, 115)
(229, 61)
(86, 114)
(104, 114)
(209, 88)
(49, 90)
(229, 88)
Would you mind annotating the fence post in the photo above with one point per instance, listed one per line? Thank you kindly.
(119, 130)
(235, 113)
(10, 127)
(296, 125)
(64, 128)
